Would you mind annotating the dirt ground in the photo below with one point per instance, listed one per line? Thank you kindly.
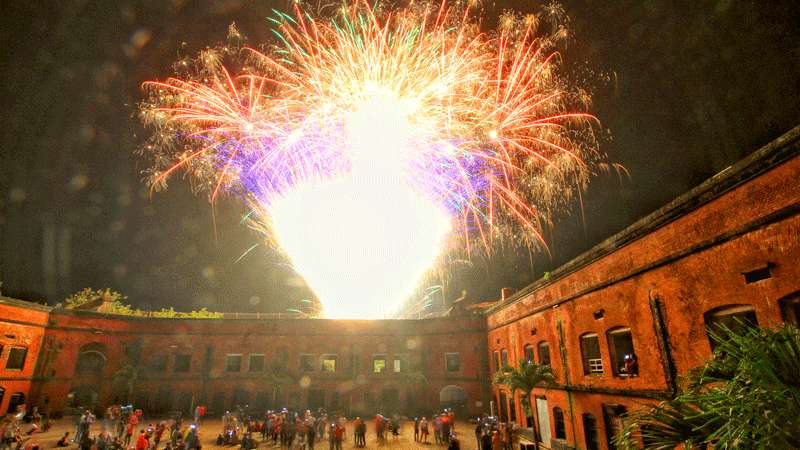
(209, 430)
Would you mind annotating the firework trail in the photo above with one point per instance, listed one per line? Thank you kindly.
(407, 129)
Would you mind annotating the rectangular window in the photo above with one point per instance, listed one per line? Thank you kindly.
(529, 353)
(736, 318)
(328, 363)
(623, 359)
(16, 358)
(306, 363)
(452, 362)
(544, 353)
(503, 357)
(233, 363)
(378, 364)
(256, 363)
(496, 360)
(397, 366)
(182, 363)
(613, 417)
(590, 351)
(158, 363)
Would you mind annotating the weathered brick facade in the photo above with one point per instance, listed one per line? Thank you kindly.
(729, 247)
(195, 354)
(661, 280)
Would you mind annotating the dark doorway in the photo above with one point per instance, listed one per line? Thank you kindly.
(15, 400)
(390, 400)
(316, 399)
(218, 404)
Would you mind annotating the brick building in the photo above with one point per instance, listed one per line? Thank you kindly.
(70, 358)
(726, 249)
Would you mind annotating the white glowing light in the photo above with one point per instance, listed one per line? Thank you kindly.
(362, 241)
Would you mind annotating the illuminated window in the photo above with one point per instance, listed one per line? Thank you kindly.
(590, 351)
(233, 363)
(306, 363)
(378, 364)
(544, 353)
(397, 366)
(16, 358)
(328, 363)
(256, 363)
(623, 358)
(452, 362)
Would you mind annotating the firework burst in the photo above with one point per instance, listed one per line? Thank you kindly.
(403, 129)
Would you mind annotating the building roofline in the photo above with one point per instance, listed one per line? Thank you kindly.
(24, 304)
(767, 157)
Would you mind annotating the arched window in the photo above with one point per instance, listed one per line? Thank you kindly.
(736, 318)
(528, 353)
(790, 308)
(590, 353)
(558, 423)
(544, 353)
(503, 358)
(91, 359)
(590, 432)
(620, 347)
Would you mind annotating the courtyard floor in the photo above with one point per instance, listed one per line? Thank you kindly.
(211, 428)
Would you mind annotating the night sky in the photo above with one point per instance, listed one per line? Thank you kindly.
(684, 88)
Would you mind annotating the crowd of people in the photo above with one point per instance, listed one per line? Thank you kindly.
(124, 428)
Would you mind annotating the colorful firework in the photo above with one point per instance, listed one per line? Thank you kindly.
(376, 141)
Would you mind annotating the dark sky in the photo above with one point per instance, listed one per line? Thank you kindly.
(692, 87)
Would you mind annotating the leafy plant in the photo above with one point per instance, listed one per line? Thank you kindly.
(746, 396)
(88, 295)
(524, 378)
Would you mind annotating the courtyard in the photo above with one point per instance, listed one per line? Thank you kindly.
(211, 428)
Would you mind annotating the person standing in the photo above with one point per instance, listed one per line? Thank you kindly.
(486, 440)
(416, 429)
(423, 426)
(340, 433)
(478, 433)
(141, 442)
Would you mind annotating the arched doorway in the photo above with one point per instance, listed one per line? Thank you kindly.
(453, 397)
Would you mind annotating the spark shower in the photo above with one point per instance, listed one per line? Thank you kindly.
(374, 143)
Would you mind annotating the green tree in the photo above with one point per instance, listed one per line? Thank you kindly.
(523, 379)
(746, 396)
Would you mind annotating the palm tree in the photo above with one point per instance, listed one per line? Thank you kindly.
(746, 396)
(524, 378)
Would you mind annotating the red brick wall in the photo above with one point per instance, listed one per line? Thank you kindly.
(690, 266)
(24, 328)
(427, 341)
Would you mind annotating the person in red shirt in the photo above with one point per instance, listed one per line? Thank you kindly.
(141, 442)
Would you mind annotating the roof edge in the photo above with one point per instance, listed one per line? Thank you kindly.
(762, 160)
